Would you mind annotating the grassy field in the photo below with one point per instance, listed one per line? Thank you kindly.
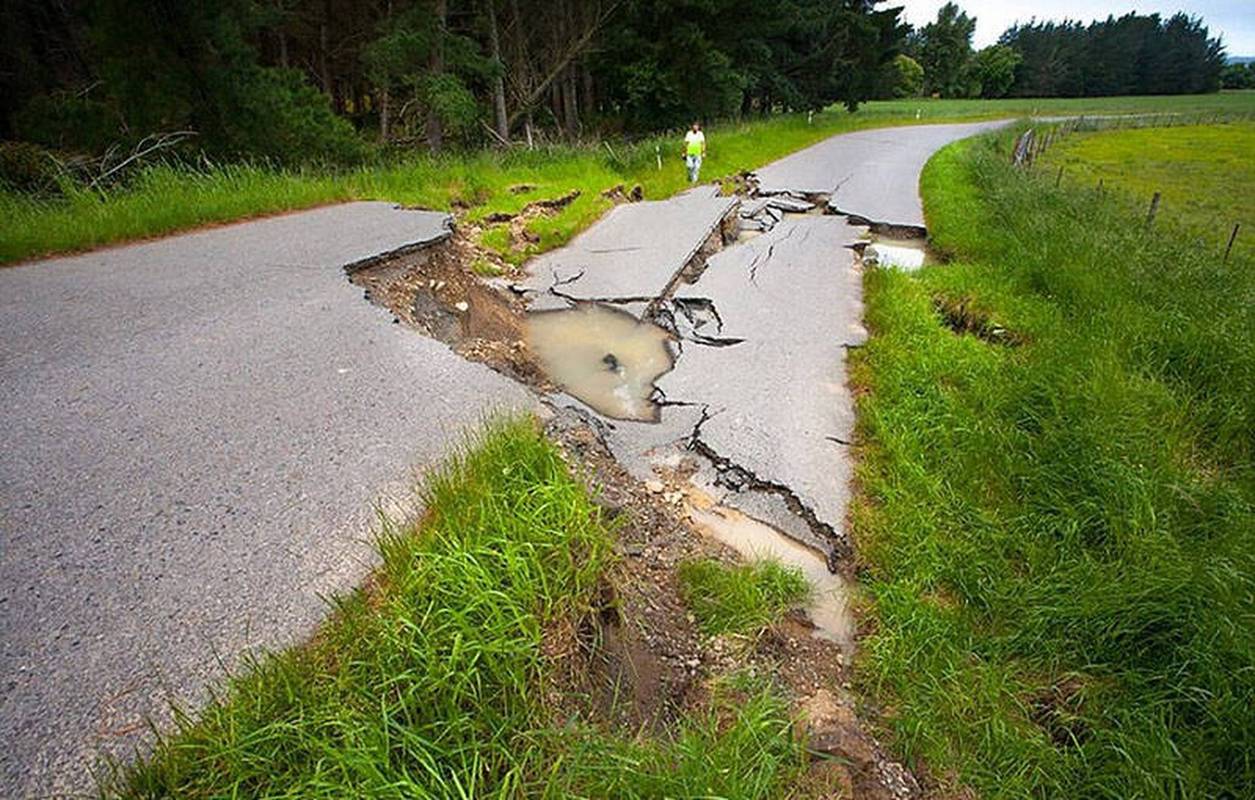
(432, 682)
(163, 198)
(1057, 493)
(1204, 173)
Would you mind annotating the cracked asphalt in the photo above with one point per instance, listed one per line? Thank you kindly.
(197, 430)
(631, 253)
(873, 174)
(760, 387)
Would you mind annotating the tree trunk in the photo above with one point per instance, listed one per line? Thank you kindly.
(385, 99)
(570, 108)
(559, 65)
(385, 109)
(498, 81)
(435, 64)
(590, 97)
(323, 73)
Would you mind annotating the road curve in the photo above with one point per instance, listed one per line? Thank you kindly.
(195, 432)
(872, 174)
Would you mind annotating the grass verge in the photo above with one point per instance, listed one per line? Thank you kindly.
(433, 681)
(1060, 523)
(165, 198)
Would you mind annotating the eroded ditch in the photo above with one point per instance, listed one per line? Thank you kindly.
(608, 353)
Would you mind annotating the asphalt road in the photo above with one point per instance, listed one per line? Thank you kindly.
(196, 429)
(777, 402)
(873, 174)
(196, 432)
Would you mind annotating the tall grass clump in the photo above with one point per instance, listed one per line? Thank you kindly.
(433, 682)
(1061, 524)
(742, 599)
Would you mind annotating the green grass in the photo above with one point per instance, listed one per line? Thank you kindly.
(433, 682)
(1204, 174)
(164, 199)
(1060, 527)
(742, 599)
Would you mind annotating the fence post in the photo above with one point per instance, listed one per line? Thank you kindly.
(1232, 237)
(1059, 177)
(1154, 206)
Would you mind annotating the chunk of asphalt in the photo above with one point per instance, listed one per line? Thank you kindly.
(873, 174)
(634, 251)
(752, 208)
(778, 400)
(789, 204)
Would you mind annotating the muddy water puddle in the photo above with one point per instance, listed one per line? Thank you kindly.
(605, 357)
(906, 254)
(829, 609)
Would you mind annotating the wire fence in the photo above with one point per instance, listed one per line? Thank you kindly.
(1036, 141)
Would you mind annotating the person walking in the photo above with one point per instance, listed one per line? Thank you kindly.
(694, 150)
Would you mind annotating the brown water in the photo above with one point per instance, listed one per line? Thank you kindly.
(606, 357)
(829, 609)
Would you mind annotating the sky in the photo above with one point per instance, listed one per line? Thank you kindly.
(1232, 20)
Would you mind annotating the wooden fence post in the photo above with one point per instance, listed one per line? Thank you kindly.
(1154, 206)
(1232, 237)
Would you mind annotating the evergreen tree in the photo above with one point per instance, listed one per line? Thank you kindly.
(1133, 54)
(945, 52)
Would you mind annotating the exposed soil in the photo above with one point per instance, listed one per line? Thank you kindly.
(520, 234)
(434, 291)
(640, 662)
(618, 194)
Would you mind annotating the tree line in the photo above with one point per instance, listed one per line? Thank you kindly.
(1132, 54)
(300, 80)
(295, 79)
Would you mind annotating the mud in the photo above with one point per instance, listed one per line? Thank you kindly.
(638, 661)
(829, 607)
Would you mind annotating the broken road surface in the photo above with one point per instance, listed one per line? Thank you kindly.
(632, 253)
(776, 402)
(759, 387)
(196, 429)
(872, 175)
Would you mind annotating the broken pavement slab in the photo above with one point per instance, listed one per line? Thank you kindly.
(872, 175)
(634, 252)
(777, 405)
